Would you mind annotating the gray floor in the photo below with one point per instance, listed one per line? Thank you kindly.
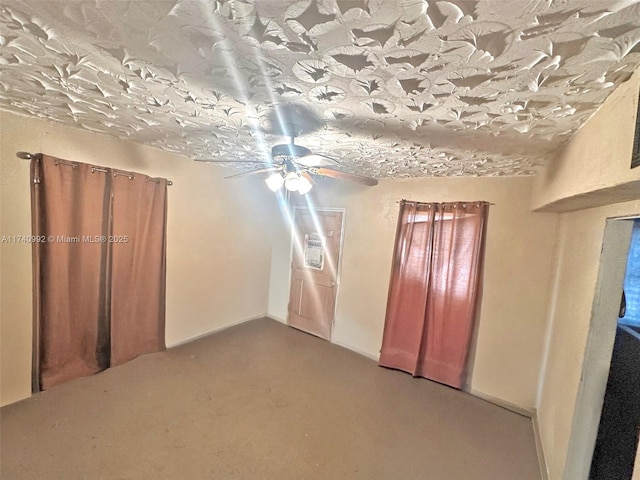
(261, 401)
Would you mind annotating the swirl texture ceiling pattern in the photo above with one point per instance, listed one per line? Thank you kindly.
(403, 88)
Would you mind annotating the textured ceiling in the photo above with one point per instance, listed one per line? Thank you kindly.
(405, 88)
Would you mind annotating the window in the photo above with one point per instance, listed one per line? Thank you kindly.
(632, 280)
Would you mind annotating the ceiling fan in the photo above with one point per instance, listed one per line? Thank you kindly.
(294, 166)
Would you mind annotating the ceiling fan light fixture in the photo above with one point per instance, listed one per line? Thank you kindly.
(292, 181)
(304, 185)
(274, 182)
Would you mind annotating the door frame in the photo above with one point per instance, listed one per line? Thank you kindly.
(340, 249)
(597, 357)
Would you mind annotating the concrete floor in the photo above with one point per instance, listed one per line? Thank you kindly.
(261, 401)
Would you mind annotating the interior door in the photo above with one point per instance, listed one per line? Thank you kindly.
(314, 270)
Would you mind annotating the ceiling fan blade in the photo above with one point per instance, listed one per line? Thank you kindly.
(206, 160)
(254, 172)
(316, 160)
(330, 172)
(308, 176)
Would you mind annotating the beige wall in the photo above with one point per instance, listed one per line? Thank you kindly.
(580, 245)
(217, 257)
(594, 168)
(520, 247)
(592, 171)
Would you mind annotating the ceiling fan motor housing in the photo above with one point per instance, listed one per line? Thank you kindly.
(289, 151)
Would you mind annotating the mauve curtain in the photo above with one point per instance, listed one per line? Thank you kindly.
(138, 267)
(434, 289)
(99, 273)
(71, 289)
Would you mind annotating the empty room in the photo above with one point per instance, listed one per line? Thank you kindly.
(320, 239)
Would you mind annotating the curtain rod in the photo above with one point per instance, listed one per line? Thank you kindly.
(476, 201)
(29, 156)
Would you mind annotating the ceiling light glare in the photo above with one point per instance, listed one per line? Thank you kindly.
(304, 186)
(274, 182)
(292, 182)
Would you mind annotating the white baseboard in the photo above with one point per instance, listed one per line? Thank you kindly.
(502, 403)
(276, 318)
(542, 459)
(213, 330)
(372, 356)
(532, 414)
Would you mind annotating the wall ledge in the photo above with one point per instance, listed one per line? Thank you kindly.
(593, 168)
(597, 198)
